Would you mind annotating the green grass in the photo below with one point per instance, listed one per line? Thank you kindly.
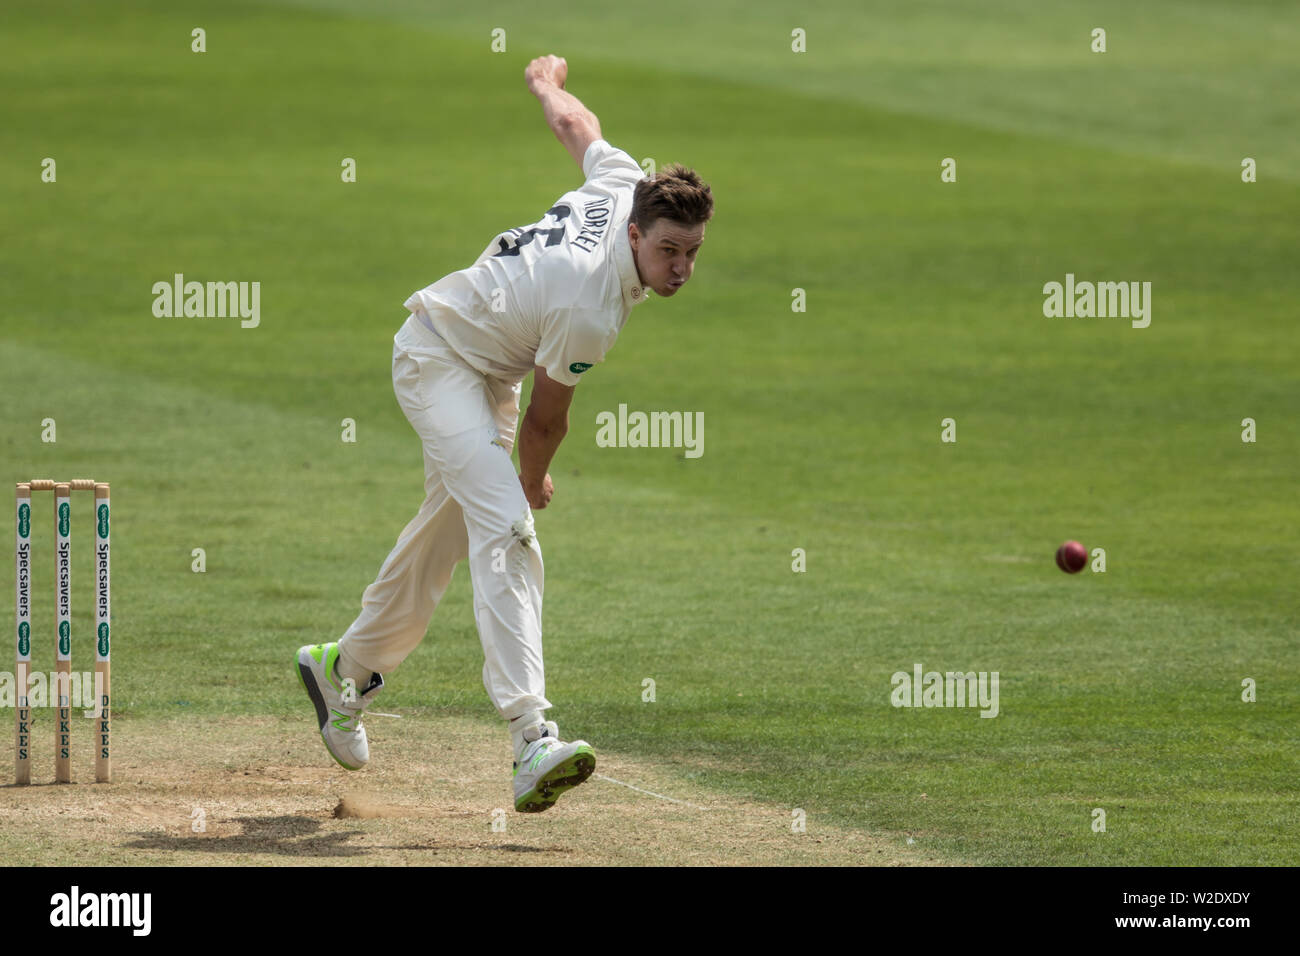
(1119, 691)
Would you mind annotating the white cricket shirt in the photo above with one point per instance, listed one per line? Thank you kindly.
(555, 293)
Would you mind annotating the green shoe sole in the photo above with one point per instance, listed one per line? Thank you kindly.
(560, 779)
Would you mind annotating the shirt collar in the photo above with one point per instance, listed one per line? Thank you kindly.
(634, 293)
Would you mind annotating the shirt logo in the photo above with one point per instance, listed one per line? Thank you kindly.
(577, 368)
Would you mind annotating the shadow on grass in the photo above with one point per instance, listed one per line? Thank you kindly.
(303, 836)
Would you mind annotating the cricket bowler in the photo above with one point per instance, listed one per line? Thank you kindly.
(548, 298)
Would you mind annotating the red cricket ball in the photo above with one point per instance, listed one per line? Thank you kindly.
(1071, 557)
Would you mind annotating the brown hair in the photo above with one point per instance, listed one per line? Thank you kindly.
(675, 193)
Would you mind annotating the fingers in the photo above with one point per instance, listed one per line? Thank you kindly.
(550, 67)
(539, 496)
(543, 497)
(547, 493)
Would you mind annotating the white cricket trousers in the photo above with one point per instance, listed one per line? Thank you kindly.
(473, 507)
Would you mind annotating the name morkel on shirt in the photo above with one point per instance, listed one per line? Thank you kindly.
(563, 286)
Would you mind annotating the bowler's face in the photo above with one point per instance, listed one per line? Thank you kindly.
(665, 254)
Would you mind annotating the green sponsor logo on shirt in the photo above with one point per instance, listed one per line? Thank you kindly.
(577, 368)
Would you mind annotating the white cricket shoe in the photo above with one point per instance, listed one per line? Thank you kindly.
(339, 717)
(548, 767)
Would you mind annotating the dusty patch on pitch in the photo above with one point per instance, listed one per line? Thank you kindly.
(437, 792)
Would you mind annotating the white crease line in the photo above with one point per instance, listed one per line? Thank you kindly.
(649, 793)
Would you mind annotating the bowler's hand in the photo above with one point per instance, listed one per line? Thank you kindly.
(546, 69)
(538, 493)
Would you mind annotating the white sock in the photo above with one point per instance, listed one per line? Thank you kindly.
(517, 727)
(346, 667)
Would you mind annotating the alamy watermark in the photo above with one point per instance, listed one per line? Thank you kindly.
(212, 300)
(651, 430)
(1103, 300)
(946, 689)
(78, 689)
(78, 908)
